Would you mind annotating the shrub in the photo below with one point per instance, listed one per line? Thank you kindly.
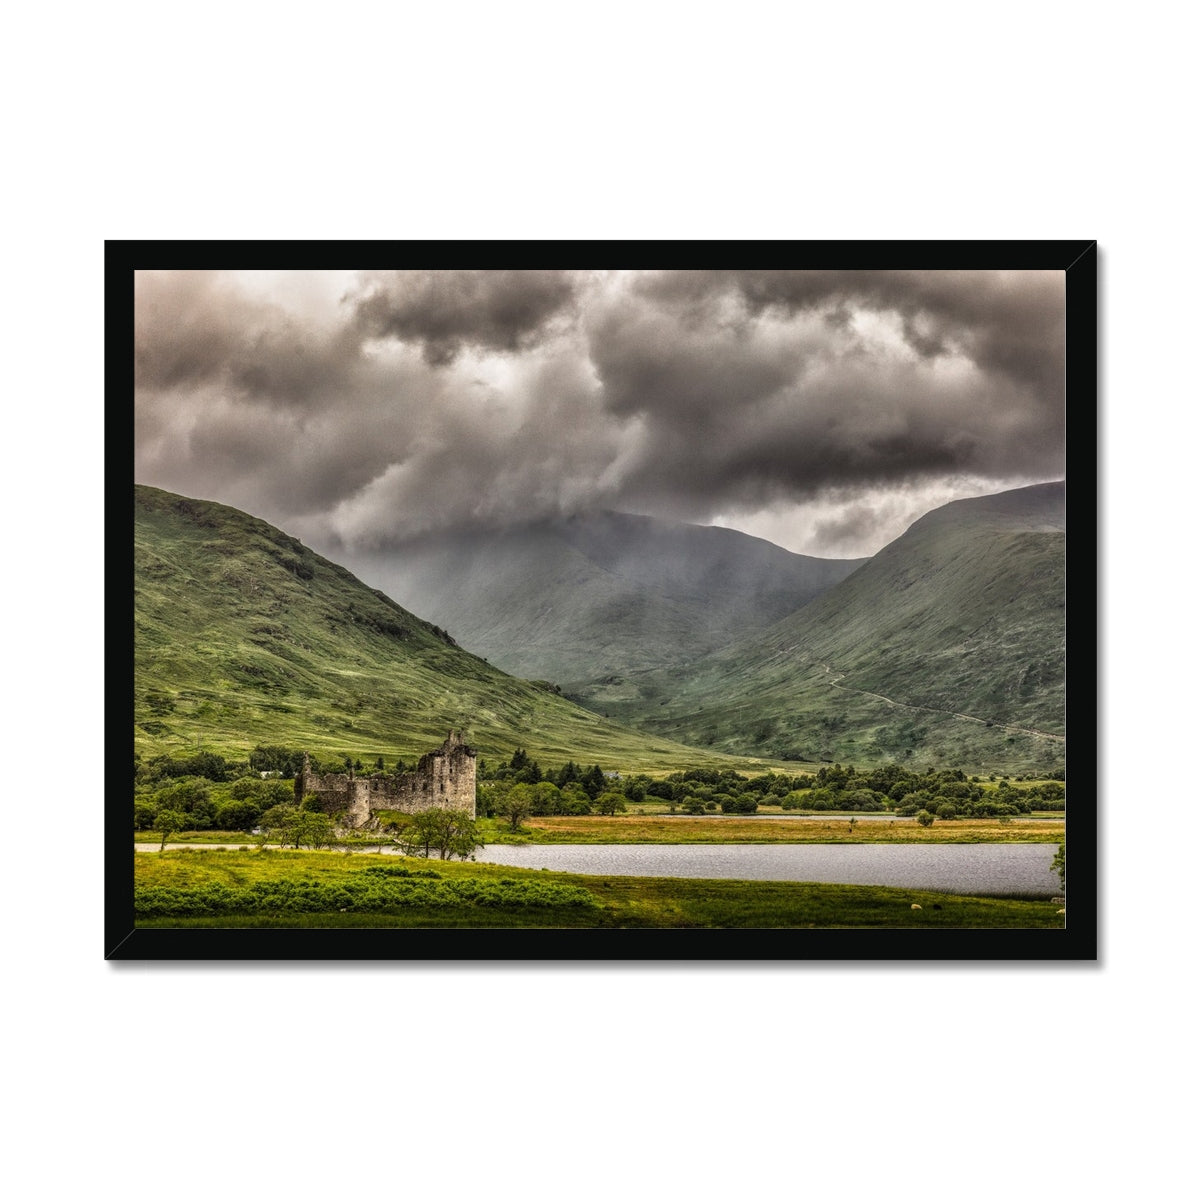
(575, 803)
(370, 891)
(745, 803)
(946, 811)
(925, 817)
(237, 814)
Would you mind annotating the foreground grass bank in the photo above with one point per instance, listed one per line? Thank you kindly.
(330, 889)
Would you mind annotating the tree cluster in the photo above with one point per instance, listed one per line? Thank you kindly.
(520, 788)
(945, 794)
(446, 832)
(201, 803)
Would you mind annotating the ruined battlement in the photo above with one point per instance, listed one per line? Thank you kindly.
(444, 778)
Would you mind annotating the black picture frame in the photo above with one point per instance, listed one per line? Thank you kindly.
(1077, 941)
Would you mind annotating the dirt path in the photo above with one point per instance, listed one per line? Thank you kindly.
(945, 712)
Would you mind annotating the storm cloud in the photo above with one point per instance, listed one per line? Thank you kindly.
(445, 311)
(823, 409)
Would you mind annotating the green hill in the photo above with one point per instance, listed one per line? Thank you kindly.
(586, 601)
(946, 648)
(245, 636)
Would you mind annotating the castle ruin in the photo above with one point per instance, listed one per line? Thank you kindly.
(444, 778)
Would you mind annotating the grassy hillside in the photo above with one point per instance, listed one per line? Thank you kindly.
(245, 636)
(946, 648)
(588, 600)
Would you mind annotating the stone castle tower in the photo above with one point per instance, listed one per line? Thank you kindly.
(444, 778)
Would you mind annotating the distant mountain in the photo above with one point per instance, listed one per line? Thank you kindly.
(947, 647)
(244, 635)
(587, 600)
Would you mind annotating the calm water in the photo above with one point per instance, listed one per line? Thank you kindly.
(978, 869)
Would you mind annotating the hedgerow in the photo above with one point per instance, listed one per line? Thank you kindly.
(373, 890)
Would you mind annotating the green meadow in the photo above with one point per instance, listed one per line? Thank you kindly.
(248, 888)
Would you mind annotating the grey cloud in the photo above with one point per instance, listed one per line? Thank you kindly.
(445, 311)
(1010, 322)
(682, 394)
(742, 407)
(193, 328)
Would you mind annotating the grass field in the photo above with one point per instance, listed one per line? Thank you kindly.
(414, 893)
(661, 830)
(633, 828)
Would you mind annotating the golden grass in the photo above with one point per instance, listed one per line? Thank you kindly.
(633, 827)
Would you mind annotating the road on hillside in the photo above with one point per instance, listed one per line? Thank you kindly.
(945, 712)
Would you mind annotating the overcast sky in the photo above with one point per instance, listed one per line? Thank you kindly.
(822, 410)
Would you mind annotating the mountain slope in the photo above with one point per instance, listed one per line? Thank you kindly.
(244, 635)
(948, 645)
(592, 597)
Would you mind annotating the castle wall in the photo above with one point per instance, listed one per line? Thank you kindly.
(444, 778)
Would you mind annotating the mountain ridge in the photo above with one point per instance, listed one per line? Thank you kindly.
(244, 635)
(582, 598)
(958, 622)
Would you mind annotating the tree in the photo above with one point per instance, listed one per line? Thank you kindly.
(237, 814)
(276, 823)
(546, 798)
(610, 803)
(167, 822)
(530, 773)
(312, 829)
(292, 826)
(449, 831)
(184, 794)
(517, 805)
(925, 818)
(1059, 864)
(277, 758)
(573, 801)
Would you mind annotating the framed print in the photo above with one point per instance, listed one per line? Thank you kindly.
(598, 600)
